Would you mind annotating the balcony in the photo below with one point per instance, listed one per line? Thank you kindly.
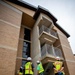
(48, 52)
(44, 20)
(47, 35)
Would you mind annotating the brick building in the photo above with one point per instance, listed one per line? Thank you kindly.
(26, 31)
(74, 55)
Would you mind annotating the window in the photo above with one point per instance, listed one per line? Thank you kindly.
(26, 50)
(27, 34)
(26, 45)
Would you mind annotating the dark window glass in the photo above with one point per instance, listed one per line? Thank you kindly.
(24, 55)
(25, 44)
(23, 63)
(26, 50)
(27, 34)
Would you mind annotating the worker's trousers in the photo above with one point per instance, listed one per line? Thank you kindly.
(41, 73)
(28, 74)
(59, 73)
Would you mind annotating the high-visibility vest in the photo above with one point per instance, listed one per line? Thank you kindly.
(20, 73)
(41, 68)
(58, 65)
(28, 68)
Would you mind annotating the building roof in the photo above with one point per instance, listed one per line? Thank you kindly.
(45, 11)
(39, 10)
(59, 27)
(24, 4)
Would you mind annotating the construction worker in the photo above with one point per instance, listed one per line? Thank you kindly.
(29, 68)
(40, 69)
(58, 67)
(20, 71)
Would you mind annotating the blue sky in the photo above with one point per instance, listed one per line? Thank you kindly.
(64, 11)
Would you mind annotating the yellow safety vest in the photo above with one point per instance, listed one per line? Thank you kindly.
(20, 73)
(58, 65)
(28, 68)
(41, 68)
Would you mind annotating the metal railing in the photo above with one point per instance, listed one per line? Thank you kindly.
(58, 52)
(47, 49)
(48, 30)
(53, 33)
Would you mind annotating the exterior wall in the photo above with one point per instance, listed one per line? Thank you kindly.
(20, 45)
(23, 9)
(10, 21)
(67, 52)
(19, 52)
(74, 56)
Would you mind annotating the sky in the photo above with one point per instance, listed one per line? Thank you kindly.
(64, 11)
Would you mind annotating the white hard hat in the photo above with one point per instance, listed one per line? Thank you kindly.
(38, 61)
(21, 67)
(58, 57)
(29, 58)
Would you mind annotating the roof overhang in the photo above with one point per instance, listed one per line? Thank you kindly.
(23, 4)
(61, 29)
(45, 11)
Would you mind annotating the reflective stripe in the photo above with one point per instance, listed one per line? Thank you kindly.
(28, 68)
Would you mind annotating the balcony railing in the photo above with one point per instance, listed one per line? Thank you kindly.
(48, 30)
(57, 52)
(47, 49)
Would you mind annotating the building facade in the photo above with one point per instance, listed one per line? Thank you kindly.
(28, 31)
(74, 56)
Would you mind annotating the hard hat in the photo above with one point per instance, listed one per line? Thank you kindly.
(58, 58)
(29, 58)
(21, 67)
(38, 61)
